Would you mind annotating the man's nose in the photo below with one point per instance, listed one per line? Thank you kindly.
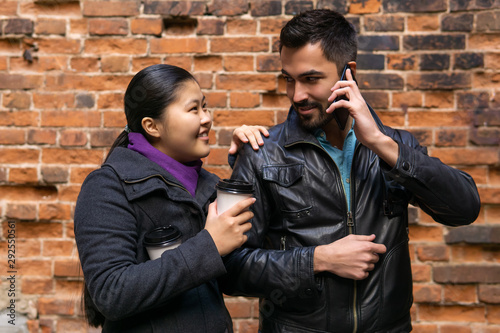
(299, 93)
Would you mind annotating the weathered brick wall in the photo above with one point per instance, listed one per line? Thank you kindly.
(432, 67)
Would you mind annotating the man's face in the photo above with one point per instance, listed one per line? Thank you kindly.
(309, 77)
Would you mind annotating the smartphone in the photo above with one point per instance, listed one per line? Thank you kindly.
(342, 114)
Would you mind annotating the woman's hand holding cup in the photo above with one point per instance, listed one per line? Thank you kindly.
(228, 229)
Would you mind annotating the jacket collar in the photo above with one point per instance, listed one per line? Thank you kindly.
(294, 133)
(145, 176)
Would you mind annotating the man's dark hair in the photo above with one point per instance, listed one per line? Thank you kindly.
(335, 34)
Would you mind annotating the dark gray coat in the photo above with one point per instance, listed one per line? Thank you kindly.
(118, 203)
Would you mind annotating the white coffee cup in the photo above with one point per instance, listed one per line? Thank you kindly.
(231, 191)
(162, 239)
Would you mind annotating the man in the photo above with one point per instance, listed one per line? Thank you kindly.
(328, 250)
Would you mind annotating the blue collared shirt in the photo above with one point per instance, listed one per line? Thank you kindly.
(343, 158)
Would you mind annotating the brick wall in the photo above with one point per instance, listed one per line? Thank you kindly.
(432, 67)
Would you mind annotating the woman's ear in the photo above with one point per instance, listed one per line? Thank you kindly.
(150, 127)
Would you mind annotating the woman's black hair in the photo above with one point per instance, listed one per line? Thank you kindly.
(335, 34)
(148, 94)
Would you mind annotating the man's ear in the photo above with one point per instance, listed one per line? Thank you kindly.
(352, 65)
(150, 127)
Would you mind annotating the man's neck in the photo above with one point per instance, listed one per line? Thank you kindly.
(335, 135)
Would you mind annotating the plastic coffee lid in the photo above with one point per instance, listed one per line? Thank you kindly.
(234, 185)
(161, 236)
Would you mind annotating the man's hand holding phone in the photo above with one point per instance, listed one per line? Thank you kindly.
(346, 95)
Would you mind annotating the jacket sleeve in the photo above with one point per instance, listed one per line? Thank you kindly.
(106, 232)
(447, 194)
(254, 270)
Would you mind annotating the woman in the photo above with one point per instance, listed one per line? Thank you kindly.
(152, 177)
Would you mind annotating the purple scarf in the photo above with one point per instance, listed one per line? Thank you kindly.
(187, 174)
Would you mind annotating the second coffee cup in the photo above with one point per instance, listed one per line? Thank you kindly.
(231, 191)
(162, 239)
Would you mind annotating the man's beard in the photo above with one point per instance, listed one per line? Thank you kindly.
(314, 120)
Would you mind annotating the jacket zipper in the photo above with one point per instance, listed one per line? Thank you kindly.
(350, 222)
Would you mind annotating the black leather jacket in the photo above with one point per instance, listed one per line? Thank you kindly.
(301, 203)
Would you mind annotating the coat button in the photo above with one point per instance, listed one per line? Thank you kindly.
(309, 292)
(406, 166)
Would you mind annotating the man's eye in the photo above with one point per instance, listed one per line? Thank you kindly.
(312, 79)
(288, 79)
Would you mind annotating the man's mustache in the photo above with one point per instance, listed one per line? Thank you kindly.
(307, 104)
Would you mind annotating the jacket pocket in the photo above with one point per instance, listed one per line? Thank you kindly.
(288, 185)
(396, 296)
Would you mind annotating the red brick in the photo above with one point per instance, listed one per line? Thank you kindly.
(272, 26)
(71, 156)
(57, 248)
(466, 156)
(50, 27)
(143, 62)
(238, 63)
(212, 27)
(365, 7)
(55, 174)
(423, 23)
(111, 8)
(493, 314)
(442, 99)
(216, 99)
(146, 26)
(104, 138)
(85, 64)
(238, 118)
(105, 45)
(241, 27)
(114, 26)
(8, 8)
(27, 193)
(490, 195)
(36, 136)
(452, 328)
(229, 8)
(59, 45)
(179, 45)
(486, 41)
(244, 100)
(16, 100)
(420, 233)
(21, 211)
(406, 99)
(37, 285)
(40, 64)
(425, 293)
(18, 81)
(59, 8)
(12, 136)
(23, 175)
(421, 273)
(54, 211)
(249, 81)
(56, 306)
(114, 119)
(460, 293)
(69, 268)
(207, 63)
(70, 118)
(78, 174)
(433, 253)
(451, 137)
(18, 155)
(34, 267)
(268, 63)
(240, 44)
(455, 313)
(78, 26)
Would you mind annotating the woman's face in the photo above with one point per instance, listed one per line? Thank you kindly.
(183, 128)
